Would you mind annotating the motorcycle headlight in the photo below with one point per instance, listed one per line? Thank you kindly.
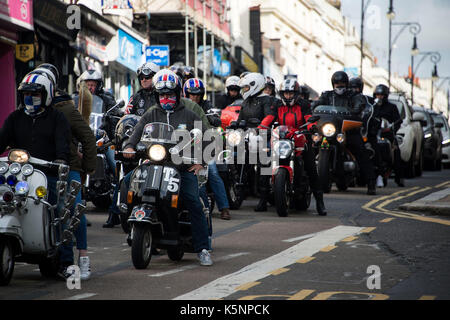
(22, 188)
(20, 156)
(27, 170)
(41, 192)
(328, 130)
(157, 152)
(282, 149)
(427, 135)
(340, 138)
(15, 167)
(234, 138)
(446, 141)
(3, 167)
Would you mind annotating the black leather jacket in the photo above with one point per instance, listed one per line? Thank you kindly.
(355, 102)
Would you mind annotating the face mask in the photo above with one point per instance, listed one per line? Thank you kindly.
(168, 103)
(32, 104)
(340, 91)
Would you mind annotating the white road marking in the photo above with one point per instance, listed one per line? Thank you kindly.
(228, 284)
(306, 236)
(81, 296)
(192, 266)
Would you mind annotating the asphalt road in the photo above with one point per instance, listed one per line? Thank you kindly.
(364, 249)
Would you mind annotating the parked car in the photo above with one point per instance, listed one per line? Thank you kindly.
(410, 136)
(432, 137)
(445, 130)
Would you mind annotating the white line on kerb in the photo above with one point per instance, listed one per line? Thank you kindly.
(228, 284)
(192, 266)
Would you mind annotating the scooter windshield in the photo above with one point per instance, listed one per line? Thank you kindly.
(332, 110)
(158, 132)
(95, 119)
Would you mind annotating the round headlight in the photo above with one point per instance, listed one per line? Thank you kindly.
(41, 192)
(234, 138)
(15, 167)
(20, 156)
(328, 130)
(22, 188)
(157, 152)
(3, 167)
(282, 149)
(27, 170)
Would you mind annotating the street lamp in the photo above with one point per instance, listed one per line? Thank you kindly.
(390, 15)
(363, 12)
(414, 28)
(435, 57)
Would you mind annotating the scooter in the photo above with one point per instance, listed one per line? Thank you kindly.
(31, 229)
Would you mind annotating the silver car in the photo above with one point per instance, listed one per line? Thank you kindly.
(440, 118)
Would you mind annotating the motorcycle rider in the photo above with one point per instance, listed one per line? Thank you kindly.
(145, 97)
(172, 109)
(294, 113)
(42, 130)
(232, 93)
(260, 106)
(94, 82)
(305, 93)
(270, 87)
(194, 90)
(389, 111)
(342, 96)
(81, 133)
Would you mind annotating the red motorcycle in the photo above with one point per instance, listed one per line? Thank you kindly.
(230, 114)
(290, 183)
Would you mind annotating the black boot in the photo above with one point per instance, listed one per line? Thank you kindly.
(320, 206)
(113, 220)
(371, 188)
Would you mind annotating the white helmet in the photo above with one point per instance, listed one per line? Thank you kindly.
(95, 76)
(38, 83)
(148, 69)
(252, 84)
(232, 81)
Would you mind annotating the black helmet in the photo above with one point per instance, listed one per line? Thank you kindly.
(125, 126)
(339, 77)
(188, 73)
(381, 89)
(356, 83)
(304, 91)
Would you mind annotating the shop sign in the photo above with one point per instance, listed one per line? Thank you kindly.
(18, 12)
(159, 55)
(24, 52)
(130, 51)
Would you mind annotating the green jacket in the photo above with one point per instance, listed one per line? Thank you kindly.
(81, 132)
(197, 110)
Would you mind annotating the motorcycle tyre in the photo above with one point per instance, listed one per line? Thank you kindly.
(175, 254)
(49, 266)
(303, 203)
(280, 190)
(6, 275)
(323, 169)
(141, 235)
(230, 188)
(102, 202)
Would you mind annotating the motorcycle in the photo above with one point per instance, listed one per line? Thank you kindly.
(99, 187)
(31, 229)
(230, 113)
(335, 163)
(157, 218)
(290, 183)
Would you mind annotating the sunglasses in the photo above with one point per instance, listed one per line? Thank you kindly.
(142, 77)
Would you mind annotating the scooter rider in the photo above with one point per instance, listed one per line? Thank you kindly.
(145, 97)
(194, 90)
(389, 111)
(260, 106)
(342, 96)
(171, 109)
(233, 93)
(292, 114)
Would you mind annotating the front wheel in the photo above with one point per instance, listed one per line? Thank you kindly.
(6, 261)
(141, 246)
(323, 168)
(281, 192)
(234, 194)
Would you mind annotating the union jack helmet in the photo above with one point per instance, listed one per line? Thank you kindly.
(166, 81)
(193, 86)
(38, 83)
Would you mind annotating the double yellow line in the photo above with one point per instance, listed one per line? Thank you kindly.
(379, 205)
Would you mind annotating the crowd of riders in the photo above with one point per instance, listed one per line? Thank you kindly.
(177, 95)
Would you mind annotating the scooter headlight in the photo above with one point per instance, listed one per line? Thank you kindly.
(27, 170)
(20, 156)
(234, 138)
(22, 188)
(157, 152)
(282, 149)
(41, 192)
(3, 167)
(328, 130)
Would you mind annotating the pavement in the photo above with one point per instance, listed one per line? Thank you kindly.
(437, 203)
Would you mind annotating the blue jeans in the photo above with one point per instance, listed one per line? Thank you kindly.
(66, 251)
(217, 187)
(189, 193)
